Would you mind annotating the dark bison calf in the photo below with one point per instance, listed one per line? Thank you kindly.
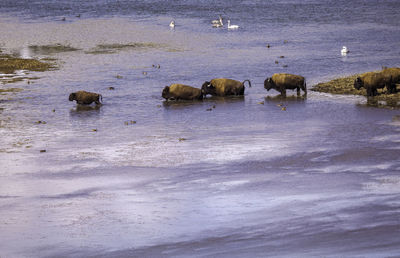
(85, 98)
(372, 81)
(283, 81)
(224, 87)
(180, 91)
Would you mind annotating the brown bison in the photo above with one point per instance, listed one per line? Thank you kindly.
(181, 92)
(283, 81)
(393, 75)
(85, 98)
(372, 81)
(224, 87)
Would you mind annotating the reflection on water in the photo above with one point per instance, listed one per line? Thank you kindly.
(390, 103)
(85, 110)
(180, 104)
(280, 98)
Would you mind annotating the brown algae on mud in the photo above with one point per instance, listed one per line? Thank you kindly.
(10, 64)
(113, 48)
(345, 86)
(51, 49)
(8, 90)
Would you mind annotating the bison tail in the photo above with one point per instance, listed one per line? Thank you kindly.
(247, 81)
(305, 87)
(101, 98)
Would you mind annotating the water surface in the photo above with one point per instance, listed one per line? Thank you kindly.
(247, 178)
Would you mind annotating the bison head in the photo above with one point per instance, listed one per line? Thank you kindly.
(268, 84)
(165, 93)
(72, 96)
(208, 88)
(358, 83)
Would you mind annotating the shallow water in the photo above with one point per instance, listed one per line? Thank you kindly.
(247, 178)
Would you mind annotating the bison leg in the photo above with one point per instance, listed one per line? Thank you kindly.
(304, 88)
(298, 91)
(372, 92)
(392, 88)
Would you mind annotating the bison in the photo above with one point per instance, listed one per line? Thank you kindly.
(393, 76)
(181, 92)
(283, 81)
(372, 81)
(85, 98)
(224, 87)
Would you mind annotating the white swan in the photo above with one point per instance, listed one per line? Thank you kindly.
(218, 22)
(232, 26)
(216, 25)
(344, 51)
(172, 24)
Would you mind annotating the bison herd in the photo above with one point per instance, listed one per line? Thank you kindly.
(371, 81)
(222, 87)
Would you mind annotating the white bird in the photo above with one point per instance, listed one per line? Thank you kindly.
(216, 25)
(172, 24)
(344, 51)
(232, 26)
(218, 22)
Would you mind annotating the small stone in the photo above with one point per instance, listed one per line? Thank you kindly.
(42, 151)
